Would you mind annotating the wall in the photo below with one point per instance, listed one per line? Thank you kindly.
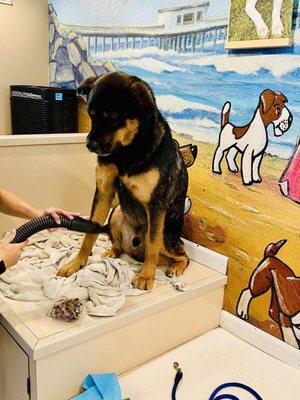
(48, 175)
(231, 213)
(24, 54)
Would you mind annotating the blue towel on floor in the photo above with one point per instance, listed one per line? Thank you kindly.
(100, 387)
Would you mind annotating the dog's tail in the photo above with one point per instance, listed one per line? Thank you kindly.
(225, 114)
(272, 249)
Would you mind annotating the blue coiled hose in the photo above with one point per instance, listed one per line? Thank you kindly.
(214, 395)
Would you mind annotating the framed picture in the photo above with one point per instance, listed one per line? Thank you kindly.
(259, 23)
(7, 2)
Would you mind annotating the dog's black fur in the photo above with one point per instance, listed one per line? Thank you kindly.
(113, 100)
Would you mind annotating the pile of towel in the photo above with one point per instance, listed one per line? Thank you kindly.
(102, 285)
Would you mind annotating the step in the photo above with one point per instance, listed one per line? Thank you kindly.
(208, 361)
(146, 327)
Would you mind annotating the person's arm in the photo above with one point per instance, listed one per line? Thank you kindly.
(11, 204)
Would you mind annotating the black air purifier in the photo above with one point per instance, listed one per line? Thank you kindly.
(40, 109)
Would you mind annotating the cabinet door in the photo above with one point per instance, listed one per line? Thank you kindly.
(13, 369)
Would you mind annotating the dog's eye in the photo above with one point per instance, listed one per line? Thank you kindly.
(278, 111)
(111, 115)
(114, 115)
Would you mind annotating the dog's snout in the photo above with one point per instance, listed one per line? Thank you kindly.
(290, 119)
(92, 145)
(106, 147)
(136, 242)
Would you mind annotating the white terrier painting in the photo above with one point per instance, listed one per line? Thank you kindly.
(251, 140)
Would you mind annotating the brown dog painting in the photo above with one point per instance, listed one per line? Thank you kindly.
(273, 274)
(251, 140)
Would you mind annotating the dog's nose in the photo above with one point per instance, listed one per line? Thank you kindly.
(92, 145)
(290, 119)
(136, 242)
(106, 148)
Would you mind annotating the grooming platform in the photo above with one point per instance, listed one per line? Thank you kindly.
(51, 357)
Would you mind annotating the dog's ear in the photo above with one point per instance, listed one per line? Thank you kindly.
(87, 85)
(143, 94)
(267, 98)
(272, 249)
(282, 97)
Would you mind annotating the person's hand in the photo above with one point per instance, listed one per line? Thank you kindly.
(10, 253)
(56, 212)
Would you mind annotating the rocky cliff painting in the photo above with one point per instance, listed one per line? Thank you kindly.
(178, 48)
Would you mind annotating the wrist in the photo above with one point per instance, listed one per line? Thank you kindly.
(35, 213)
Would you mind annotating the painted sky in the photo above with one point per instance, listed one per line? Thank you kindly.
(123, 12)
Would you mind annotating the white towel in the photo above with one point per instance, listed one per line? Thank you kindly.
(102, 285)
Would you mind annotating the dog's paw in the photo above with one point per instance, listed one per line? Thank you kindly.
(277, 28)
(110, 253)
(257, 179)
(70, 268)
(247, 181)
(233, 169)
(217, 171)
(143, 282)
(243, 304)
(263, 31)
(175, 271)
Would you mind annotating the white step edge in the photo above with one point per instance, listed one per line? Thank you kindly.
(260, 339)
(42, 139)
(209, 258)
(80, 333)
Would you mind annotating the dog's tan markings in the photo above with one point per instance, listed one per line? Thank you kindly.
(154, 239)
(240, 131)
(126, 134)
(115, 225)
(142, 185)
(180, 259)
(106, 184)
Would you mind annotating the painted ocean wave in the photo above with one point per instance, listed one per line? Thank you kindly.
(192, 89)
(174, 104)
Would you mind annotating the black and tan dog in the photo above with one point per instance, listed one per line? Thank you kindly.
(138, 159)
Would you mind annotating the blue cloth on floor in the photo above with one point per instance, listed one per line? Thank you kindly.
(100, 387)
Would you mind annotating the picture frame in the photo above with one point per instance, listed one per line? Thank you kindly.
(259, 24)
(6, 2)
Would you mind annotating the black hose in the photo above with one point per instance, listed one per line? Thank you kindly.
(38, 224)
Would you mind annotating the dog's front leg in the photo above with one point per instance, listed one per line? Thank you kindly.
(231, 155)
(287, 330)
(219, 153)
(277, 26)
(256, 168)
(154, 238)
(247, 165)
(105, 190)
(261, 27)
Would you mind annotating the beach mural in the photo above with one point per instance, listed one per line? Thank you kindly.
(178, 48)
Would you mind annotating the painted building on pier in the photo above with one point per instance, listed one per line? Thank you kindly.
(186, 28)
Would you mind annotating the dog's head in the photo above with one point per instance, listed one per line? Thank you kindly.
(272, 249)
(273, 110)
(120, 106)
